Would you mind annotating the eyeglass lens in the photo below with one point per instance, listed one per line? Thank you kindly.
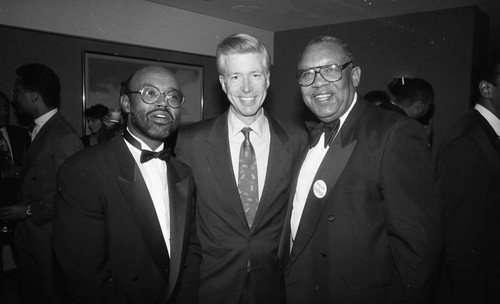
(151, 95)
(330, 73)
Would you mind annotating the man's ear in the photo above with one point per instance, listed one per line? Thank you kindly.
(125, 103)
(356, 76)
(485, 89)
(222, 83)
(34, 96)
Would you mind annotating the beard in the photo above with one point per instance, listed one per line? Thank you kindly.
(151, 129)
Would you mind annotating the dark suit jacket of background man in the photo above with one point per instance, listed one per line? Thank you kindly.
(112, 249)
(469, 176)
(378, 225)
(19, 141)
(226, 241)
(54, 143)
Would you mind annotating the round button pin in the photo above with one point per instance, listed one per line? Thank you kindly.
(319, 188)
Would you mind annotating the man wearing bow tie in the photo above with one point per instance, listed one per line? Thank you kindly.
(364, 223)
(123, 224)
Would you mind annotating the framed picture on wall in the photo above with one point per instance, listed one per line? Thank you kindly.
(104, 73)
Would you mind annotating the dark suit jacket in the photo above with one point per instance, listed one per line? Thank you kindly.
(468, 165)
(227, 242)
(19, 140)
(55, 142)
(375, 237)
(107, 236)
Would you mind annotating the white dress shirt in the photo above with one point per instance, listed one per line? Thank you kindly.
(490, 117)
(308, 171)
(154, 173)
(40, 121)
(260, 137)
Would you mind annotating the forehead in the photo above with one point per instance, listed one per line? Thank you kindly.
(158, 77)
(238, 63)
(321, 54)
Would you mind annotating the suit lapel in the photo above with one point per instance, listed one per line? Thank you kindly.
(329, 172)
(219, 159)
(139, 201)
(278, 159)
(178, 198)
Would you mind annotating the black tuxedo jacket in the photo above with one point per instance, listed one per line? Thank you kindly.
(375, 235)
(227, 242)
(468, 165)
(107, 236)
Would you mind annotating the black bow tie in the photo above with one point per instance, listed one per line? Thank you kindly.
(146, 155)
(316, 129)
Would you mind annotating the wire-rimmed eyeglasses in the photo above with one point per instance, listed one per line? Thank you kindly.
(330, 72)
(151, 94)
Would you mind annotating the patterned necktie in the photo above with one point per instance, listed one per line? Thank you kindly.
(146, 155)
(6, 158)
(316, 129)
(247, 178)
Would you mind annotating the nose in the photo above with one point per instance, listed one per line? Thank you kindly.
(162, 100)
(247, 85)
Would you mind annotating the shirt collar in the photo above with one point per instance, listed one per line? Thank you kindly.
(490, 117)
(344, 117)
(235, 124)
(40, 121)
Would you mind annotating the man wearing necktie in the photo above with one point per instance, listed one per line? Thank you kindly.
(242, 163)
(468, 167)
(124, 229)
(364, 220)
(36, 93)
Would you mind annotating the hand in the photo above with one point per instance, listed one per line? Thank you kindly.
(13, 212)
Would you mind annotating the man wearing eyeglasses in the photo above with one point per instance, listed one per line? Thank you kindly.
(124, 210)
(364, 225)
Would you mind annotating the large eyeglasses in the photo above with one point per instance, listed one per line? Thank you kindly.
(151, 94)
(330, 72)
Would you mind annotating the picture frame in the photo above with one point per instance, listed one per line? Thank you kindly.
(103, 74)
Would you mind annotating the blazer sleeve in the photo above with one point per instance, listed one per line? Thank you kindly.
(43, 210)
(412, 210)
(80, 236)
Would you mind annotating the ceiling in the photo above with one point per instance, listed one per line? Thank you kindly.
(281, 15)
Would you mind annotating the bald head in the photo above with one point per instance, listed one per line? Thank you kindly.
(151, 73)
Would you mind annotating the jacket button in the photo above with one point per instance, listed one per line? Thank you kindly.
(331, 218)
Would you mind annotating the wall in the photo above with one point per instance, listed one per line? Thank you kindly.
(119, 26)
(435, 46)
(136, 22)
(64, 55)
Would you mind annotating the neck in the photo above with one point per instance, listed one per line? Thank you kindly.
(488, 104)
(151, 143)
